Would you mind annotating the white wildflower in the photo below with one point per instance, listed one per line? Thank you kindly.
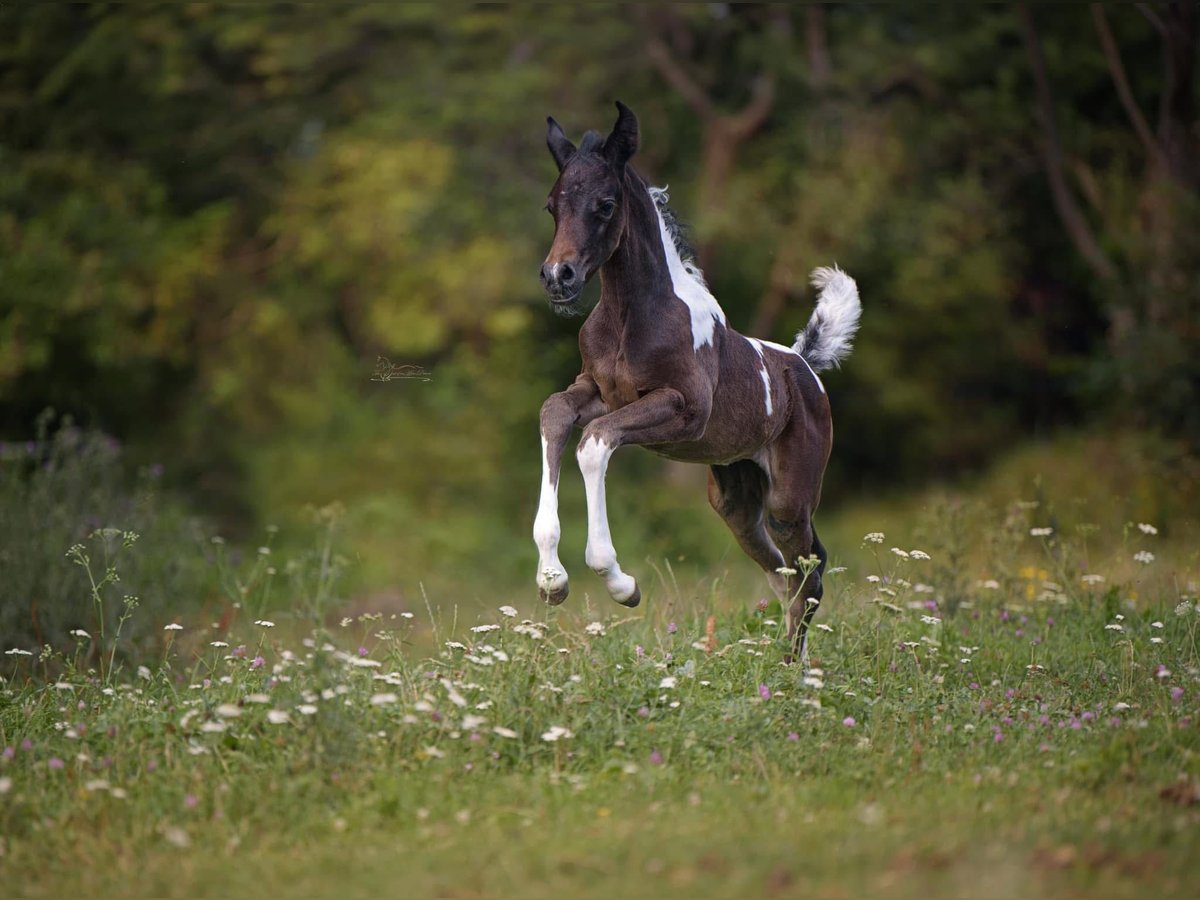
(265, 623)
(473, 722)
(824, 627)
(96, 784)
(484, 629)
(455, 645)
(1146, 528)
(1114, 626)
(229, 710)
(596, 628)
(873, 579)
(306, 709)
(174, 626)
(80, 633)
(813, 682)
(504, 732)
(213, 727)
(17, 651)
(667, 682)
(918, 554)
(1145, 557)
(435, 752)
(903, 554)
(556, 733)
(383, 699)
(1156, 624)
(1092, 579)
(931, 620)
(1041, 532)
(990, 584)
(277, 716)
(508, 611)
(875, 537)
(218, 644)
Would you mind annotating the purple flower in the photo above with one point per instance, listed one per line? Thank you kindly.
(191, 801)
(9, 752)
(1020, 632)
(1088, 715)
(656, 758)
(1115, 722)
(1050, 621)
(238, 652)
(849, 722)
(762, 606)
(1009, 694)
(1176, 694)
(974, 685)
(27, 745)
(152, 765)
(792, 736)
(257, 662)
(643, 712)
(764, 692)
(55, 763)
(363, 651)
(672, 628)
(998, 736)
(639, 651)
(1004, 615)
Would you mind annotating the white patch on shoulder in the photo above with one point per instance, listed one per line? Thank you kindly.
(705, 310)
(762, 370)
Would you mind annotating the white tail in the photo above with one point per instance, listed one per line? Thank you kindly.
(826, 339)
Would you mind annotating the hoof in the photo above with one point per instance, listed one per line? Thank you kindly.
(556, 597)
(633, 600)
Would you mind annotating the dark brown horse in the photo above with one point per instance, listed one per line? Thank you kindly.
(662, 369)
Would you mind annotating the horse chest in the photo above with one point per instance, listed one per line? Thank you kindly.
(616, 379)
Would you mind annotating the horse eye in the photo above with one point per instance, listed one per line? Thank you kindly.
(606, 207)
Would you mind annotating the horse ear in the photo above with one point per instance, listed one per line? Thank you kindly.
(622, 143)
(560, 147)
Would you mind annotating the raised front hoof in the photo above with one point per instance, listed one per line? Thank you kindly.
(554, 597)
(632, 600)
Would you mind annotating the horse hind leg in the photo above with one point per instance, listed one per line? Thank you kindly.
(793, 532)
(736, 493)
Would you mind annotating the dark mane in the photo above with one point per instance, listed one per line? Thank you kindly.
(678, 232)
(593, 142)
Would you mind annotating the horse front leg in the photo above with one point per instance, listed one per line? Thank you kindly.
(662, 416)
(578, 404)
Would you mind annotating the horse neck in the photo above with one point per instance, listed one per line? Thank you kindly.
(634, 279)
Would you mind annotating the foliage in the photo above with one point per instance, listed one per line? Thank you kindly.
(1041, 737)
(66, 495)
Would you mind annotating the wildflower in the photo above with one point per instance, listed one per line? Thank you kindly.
(824, 627)
(257, 663)
(472, 722)
(508, 612)
(1145, 557)
(672, 628)
(9, 752)
(849, 722)
(383, 699)
(900, 553)
(557, 732)
(786, 571)
(484, 629)
(174, 626)
(1114, 626)
(813, 682)
(656, 758)
(918, 554)
(455, 645)
(80, 633)
(265, 623)
(277, 716)
(595, 628)
(1041, 532)
(931, 620)
(504, 732)
(363, 651)
(17, 651)
(667, 682)
(306, 709)
(217, 644)
(1176, 694)
(1091, 579)
(1146, 528)
(229, 710)
(793, 736)
(764, 692)
(875, 537)
(1161, 671)
(1156, 624)
(213, 727)
(5, 785)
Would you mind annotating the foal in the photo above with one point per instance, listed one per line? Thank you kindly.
(662, 369)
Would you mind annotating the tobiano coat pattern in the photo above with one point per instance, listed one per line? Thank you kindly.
(663, 369)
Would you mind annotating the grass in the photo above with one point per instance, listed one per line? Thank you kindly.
(986, 722)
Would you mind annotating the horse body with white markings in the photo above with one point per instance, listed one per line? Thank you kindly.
(661, 368)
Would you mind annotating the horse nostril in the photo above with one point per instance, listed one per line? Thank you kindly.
(545, 274)
(566, 274)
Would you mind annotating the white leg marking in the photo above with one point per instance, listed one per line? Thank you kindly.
(551, 576)
(601, 555)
